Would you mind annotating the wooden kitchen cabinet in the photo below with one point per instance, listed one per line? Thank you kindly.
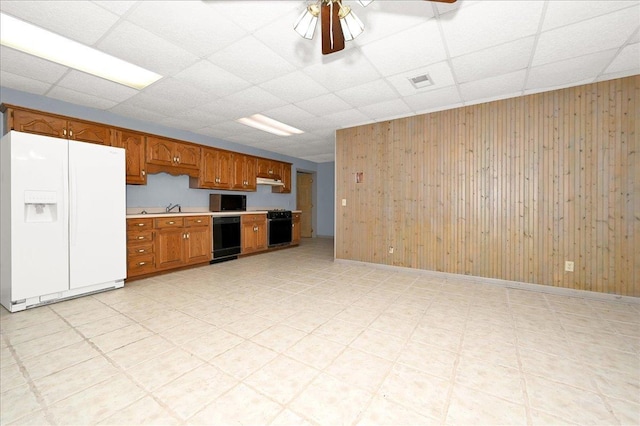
(266, 168)
(134, 146)
(243, 173)
(41, 123)
(254, 233)
(173, 157)
(215, 170)
(182, 241)
(140, 247)
(295, 228)
(284, 171)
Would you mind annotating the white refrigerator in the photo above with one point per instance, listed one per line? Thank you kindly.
(62, 219)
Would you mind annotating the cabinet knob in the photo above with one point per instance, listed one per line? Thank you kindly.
(144, 173)
(141, 237)
(178, 160)
(141, 224)
(171, 222)
(255, 229)
(199, 221)
(142, 263)
(187, 235)
(70, 133)
(141, 251)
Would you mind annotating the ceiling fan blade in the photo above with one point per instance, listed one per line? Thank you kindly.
(332, 37)
(443, 1)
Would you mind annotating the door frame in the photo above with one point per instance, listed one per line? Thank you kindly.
(314, 198)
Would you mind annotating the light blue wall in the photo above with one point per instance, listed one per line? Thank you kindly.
(162, 188)
(326, 199)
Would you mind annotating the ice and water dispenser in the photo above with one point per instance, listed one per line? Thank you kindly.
(40, 206)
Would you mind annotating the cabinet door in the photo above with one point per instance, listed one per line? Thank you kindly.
(265, 168)
(208, 166)
(198, 244)
(296, 231)
(224, 169)
(160, 151)
(170, 248)
(284, 172)
(134, 144)
(89, 132)
(261, 235)
(41, 124)
(250, 173)
(249, 237)
(187, 156)
(238, 162)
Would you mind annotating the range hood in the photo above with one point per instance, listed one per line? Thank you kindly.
(269, 181)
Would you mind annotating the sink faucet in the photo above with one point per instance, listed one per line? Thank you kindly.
(172, 206)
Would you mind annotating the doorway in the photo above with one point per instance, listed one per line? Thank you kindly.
(304, 202)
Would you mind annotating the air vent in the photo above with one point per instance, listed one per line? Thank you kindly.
(421, 81)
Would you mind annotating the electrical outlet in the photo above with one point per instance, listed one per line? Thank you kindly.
(568, 266)
(390, 249)
(344, 202)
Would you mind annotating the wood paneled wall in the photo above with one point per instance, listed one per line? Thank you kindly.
(509, 189)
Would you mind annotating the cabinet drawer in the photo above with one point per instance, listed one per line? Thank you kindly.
(197, 220)
(139, 224)
(253, 218)
(140, 265)
(140, 249)
(169, 222)
(140, 236)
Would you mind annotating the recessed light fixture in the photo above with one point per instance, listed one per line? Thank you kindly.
(266, 124)
(39, 42)
(421, 81)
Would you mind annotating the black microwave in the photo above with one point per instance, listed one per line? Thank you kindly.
(227, 203)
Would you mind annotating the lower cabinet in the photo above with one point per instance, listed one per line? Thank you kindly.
(254, 233)
(295, 228)
(167, 242)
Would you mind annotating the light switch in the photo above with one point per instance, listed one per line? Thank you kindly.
(344, 202)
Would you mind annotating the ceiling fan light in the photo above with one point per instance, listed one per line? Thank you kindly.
(306, 23)
(352, 27)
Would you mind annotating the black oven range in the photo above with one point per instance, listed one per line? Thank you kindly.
(279, 227)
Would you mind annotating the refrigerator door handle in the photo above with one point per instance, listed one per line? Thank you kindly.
(73, 205)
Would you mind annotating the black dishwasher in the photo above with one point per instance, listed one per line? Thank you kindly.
(226, 238)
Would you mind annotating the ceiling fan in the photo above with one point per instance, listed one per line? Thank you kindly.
(338, 22)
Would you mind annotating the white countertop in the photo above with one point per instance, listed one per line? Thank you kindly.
(152, 214)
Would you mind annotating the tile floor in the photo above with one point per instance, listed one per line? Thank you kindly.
(292, 337)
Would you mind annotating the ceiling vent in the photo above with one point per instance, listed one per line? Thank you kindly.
(421, 81)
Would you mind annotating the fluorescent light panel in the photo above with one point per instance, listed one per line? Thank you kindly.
(39, 42)
(266, 124)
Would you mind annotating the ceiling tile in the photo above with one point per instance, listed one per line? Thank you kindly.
(241, 57)
(253, 15)
(490, 23)
(30, 66)
(288, 114)
(341, 72)
(203, 36)
(342, 119)
(179, 92)
(92, 85)
(434, 100)
(561, 43)
(384, 18)
(119, 7)
(627, 60)
(137, 112)
(568, 71)
(493, 87)
(493, 61)
(256, 99)
(561, 13)
(82, 21)
(158, 105)
(295, 87)
(368, 93)
(68, 95)
(324, 104)
(139, 46)
(211, 78)
(22, 83)
(386, 110)
(439, 73)
(416, 47)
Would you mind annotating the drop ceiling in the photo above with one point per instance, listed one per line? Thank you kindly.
(223, 60)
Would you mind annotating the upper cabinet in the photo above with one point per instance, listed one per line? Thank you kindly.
(171, 156)
(243, 172)
(134, 145)
(28, 121)
(208, 167)
(215, 170)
